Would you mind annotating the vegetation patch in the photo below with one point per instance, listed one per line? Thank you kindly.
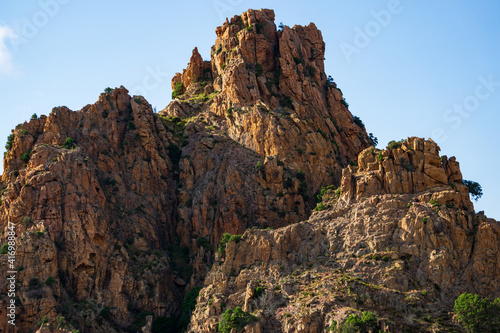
(178, 89)
(69, 143)
(358, 121)
(26, 156)
(474, 189)
(4, 249)
(478, 315)
(236, 318)
(395, 144)
(366, 323)
(259, 70)
(226, 239)
(10, 142)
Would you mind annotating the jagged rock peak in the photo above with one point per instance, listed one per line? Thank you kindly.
(409, 166)
(269, 92)
(253, 61)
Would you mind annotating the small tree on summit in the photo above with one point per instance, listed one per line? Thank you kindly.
(474, 188)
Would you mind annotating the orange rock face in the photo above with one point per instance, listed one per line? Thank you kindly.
(93, 214)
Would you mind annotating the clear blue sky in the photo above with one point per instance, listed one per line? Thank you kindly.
(407, 68)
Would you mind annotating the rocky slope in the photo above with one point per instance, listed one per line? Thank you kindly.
(400, 239)
(93, 213)
(118, 209)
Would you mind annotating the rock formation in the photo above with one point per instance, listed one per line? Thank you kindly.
(119, 211)
(380, 244)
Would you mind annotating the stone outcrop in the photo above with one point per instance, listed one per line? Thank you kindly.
(390, 250)
(93, 214)
(409, 166)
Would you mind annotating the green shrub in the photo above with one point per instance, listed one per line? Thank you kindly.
(409, 167)
(478, 315)
(174, 153)
(24, 131)
(61, 322)
(236, 318)
(332, 326)
(188, 305)
(34, 116)
(344, 103)
(319, 207)
(26, 156)
(259, 290)
(10, 141)
(4, 249)
(287, 102)
(259, 166)
(229, 112)
(226, 239)
(311, 70)
(108, 90)
(259, 70)
(50, 280)
(259, 26)
(324, 190)
(337, 192)
(380, 157)
(69, 143)
(178, 89)
(301, 175)
(354, 323)
(323, 134)
(298, 60)
(202, 242)
(373, 139)
(26, 219)
(394, 144)
(424, 219)
(474, 188)
(358, 121)
(219, 50)
(434, 203)
(105, 313)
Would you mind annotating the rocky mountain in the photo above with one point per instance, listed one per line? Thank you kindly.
(123, 216)
(399, 238)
